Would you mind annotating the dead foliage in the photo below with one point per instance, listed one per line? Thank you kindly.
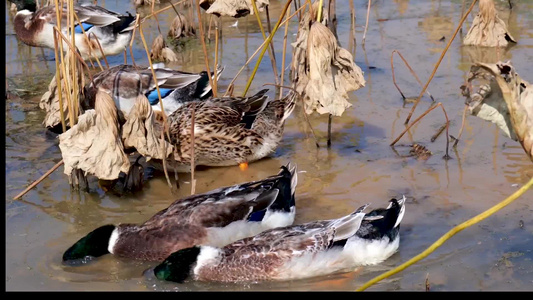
(180, 27)
(160, 51)
(323, 72)
(496, 93)
(488, 29)
(232, 8)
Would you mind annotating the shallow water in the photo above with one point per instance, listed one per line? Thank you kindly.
(360, 167)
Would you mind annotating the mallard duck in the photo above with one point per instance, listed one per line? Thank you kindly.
(293, 252)
(125, 82)
(228, 131)
(215, 218)
(36, 28)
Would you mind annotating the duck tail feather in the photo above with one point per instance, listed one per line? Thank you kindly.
(347, 226)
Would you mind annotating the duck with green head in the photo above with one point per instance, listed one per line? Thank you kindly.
(295, 251)
(215, 218)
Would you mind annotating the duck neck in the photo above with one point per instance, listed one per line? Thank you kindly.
(26, 33)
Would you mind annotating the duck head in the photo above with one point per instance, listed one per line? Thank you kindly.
(30, 5)
(93, 245)
(177, 266)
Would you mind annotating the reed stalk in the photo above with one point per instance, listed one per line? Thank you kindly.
(215, 78)
(410, 69)
(284, 54)
(58, 82)
(265, 47)
(271, 45)
(204, 47)
(257, 51)
(367, 17)
(36, 182)
(439, 61)
(193, 181)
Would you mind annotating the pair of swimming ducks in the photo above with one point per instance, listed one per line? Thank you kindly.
(238, 233)
(245, 233)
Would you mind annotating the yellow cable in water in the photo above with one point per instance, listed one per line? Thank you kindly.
(449, 234)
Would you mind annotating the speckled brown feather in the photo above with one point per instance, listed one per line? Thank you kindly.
(221, 136)
(261, 257)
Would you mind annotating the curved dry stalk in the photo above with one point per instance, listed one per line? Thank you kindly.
(439, 61)
(410, 69)
(231, 84)
(462, 127)
(446, 156)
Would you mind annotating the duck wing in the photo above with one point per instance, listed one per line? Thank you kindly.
(220, 207)
(297, 240)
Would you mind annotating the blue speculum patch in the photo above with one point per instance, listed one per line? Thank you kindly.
(154, 99)
(86, 26)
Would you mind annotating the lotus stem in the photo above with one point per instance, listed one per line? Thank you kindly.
(271, 47)
(202, 38)
(367, 17)
(439, 61)
(410, 69)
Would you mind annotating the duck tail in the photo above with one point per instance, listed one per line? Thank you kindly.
(286, 185)
(348, 226)
(126, 24)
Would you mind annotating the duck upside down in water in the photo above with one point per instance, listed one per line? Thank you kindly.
(36, 28)
(228, 131)
(125, 82)
(293, 252)
(215, 218)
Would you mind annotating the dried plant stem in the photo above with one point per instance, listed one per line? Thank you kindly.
(436, 135)
(165, 123)
(439, 61)
(73, 66)
(90, 45)
(330, 117)
(193, 181)
(284, 11)
(257, 51)
(215, 78)
(72, 50)
(284, 54)
(58, 82)
(133, 38)
(153, 13)
(367, 17)
(410, 69)
(420, 117)
(271, 46)
(462, 127)
(163, 147)
(202, 38)
(319, 13)
(36, 182)
(101, 50)
(480, 217)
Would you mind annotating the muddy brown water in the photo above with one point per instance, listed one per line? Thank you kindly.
(360, 167)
